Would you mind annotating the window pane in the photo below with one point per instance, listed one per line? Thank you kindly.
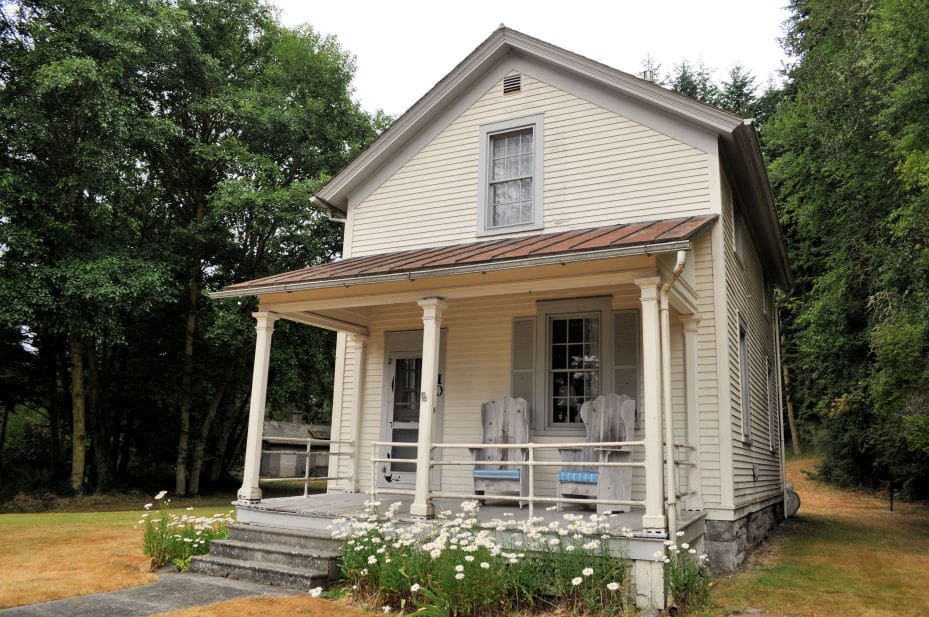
(575, 356)
(559, 331)
(512, 192)
(574, 410)
(498, 169)
(576, 330)
(560, 385)
(525, 190)
(591, 330)
(527, 141)
(512, 145)
(499, 146)
(512, 167)
(525, 165)
(560, 410)
(499, 194)
(591, 356)
(559, 356)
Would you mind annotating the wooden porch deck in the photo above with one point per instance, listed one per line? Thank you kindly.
(316, 512)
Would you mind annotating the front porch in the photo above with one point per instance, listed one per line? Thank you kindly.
(417, 358)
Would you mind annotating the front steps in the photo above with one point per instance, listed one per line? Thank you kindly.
(272, 556)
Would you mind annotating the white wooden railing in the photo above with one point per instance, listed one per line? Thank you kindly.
(531, 463)
(308, 453)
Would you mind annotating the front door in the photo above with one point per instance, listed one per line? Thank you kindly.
(402, 388)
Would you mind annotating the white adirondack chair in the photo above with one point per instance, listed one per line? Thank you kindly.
(504, 421)
(606, 418)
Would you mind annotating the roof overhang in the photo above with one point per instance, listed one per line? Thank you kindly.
(487, 256)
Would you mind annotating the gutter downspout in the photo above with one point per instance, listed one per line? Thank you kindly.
(665, 327)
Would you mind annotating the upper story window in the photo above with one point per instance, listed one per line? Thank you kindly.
(511, 176)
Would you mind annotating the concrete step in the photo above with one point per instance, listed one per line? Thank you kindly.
(305, 539)
(257, 572)
(322, 560)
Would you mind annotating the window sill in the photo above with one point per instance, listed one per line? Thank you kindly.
(510, 229)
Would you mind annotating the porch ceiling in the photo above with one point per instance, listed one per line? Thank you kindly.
(561, 247)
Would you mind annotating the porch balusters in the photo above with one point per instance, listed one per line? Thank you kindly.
(433, 309)
(654, 518)
(264, 326)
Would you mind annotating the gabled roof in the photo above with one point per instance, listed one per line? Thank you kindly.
(739, 142)
(543, 249)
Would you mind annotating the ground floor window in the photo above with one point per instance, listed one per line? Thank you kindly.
(573, 365)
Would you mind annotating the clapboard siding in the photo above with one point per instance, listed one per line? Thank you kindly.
(477, 369)
(745, 289)
(599, 169)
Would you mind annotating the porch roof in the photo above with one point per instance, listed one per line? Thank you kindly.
(643, 238)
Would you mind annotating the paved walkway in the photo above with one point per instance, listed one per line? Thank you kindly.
(170, 592)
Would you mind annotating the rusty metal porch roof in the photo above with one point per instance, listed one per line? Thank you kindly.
(643, 238)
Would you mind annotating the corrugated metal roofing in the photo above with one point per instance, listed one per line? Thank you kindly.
(577, 243)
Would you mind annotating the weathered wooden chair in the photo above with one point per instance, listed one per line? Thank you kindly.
(504, 421)
(606, 418)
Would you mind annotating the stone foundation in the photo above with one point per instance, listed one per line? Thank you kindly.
(728, 543)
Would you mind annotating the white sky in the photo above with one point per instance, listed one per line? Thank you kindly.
(403, 48)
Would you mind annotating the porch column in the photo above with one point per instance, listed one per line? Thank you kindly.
(358, 352)
(432, 329)
(250, 490)
(654, 519)
(694, 482)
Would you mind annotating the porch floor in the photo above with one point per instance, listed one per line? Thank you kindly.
(316, 512)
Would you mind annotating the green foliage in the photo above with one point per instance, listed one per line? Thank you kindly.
(152, 151)
(686, 577)
(848, 163)
(175, 538)
(457, 567)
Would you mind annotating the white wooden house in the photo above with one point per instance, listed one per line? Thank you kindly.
(543, 226)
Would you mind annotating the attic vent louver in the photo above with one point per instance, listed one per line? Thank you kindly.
(512, 83)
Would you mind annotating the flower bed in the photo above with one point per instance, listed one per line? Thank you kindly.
(455, 566)
(175, 538)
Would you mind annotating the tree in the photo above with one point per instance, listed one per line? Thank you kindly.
(738, 92)
(152, 150)
(848, 165)
(695, 82)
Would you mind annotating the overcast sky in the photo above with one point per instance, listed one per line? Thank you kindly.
(403, 48)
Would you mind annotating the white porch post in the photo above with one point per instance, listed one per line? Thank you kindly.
(357, 395)
(694, 482)
(654, 519)
(250, 490)
(432, 330)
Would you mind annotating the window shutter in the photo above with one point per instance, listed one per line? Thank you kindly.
(524, 360)
(626, 353)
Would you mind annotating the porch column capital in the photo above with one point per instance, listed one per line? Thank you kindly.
(358, 339)
(433, 308)
(648, 287)
(689, 323)
(264, 320)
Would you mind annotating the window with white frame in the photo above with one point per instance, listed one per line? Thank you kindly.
(744, 381)
(511, 176)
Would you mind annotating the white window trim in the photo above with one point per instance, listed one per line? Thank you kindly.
(745, 378)
(546, 309)
(535, 122)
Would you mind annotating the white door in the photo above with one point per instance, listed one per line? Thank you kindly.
(402, 394)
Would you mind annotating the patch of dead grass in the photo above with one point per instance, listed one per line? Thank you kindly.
(49, 562)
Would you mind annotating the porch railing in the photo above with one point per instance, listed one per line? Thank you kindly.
(308, 452)
(531, 463)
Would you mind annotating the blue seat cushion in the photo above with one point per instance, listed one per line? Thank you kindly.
(497, 474)
(586, 477)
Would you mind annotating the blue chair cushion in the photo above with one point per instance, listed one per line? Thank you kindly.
(497, 474)
(585, 477)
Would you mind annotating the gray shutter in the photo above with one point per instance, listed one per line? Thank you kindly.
(524, 360)
(626, 354)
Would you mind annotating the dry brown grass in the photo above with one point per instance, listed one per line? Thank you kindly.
(281, 606)
(52, 556)
(845, 554)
